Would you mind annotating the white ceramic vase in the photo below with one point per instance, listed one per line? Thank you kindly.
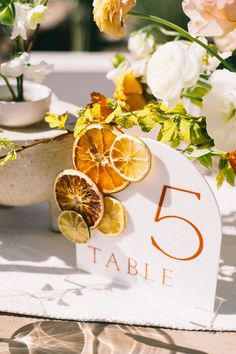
(32, 110)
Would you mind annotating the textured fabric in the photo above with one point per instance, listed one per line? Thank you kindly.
(38, 277)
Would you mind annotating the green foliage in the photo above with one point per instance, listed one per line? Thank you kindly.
(175, 127)
(7, 12)
(126, 121)
(225, 173)
(196, 93)
(56, 121)
(11, 155)
(118, 60)
(231, 60)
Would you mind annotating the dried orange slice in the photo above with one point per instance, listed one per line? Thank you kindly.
(113, 221)
(73, 227)
(91, 156)
(77, 192)
(130, 157)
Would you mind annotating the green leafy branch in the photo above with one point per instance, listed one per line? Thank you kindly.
(174, 127)
(11, 155)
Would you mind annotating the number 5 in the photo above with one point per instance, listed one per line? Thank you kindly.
(158, 219)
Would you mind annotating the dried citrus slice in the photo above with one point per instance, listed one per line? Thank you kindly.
(113, 221)
(73, 227)
(130, 157)
(77, 192)
(91, 156)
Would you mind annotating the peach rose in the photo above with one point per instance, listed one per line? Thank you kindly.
(213, 18)
(226, 43)
(109, 15)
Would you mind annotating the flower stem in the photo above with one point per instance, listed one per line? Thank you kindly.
(20, 88)
(185, 34)
(9, 87)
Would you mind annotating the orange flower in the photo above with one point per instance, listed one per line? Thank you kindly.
(100, 102)
(109, 15)
(129, 89)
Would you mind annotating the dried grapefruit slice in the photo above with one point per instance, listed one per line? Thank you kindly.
(130, 157)
(73, 227)
(91, 156)
(77, 192)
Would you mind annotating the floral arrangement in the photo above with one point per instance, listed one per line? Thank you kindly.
(186, 86)
(20, 21)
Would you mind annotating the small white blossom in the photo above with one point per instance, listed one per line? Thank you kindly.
(219, 107)
(37, 72)
(36, 16)
(14, 67)
(27, 18)
(141, 44)
(114, 73)
(20, 22)
(173, 67)
(191, 107)
(213, 62)
(139, 69)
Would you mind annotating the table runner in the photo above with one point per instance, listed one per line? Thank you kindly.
(38, 277)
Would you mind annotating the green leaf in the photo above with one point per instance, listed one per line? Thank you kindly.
(206, 160)
(115, 114)
(127, 121)
(6, 143)
(148, 120)
(220, 177)
(231, 60)
(168, 132)
(118, 60)
(185, 130)
(230, 176)
(56, 121)
(80, 125)
(7, 16)
(5, 3)
(11, 156)
(196, 153)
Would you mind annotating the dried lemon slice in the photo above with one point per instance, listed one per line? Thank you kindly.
(130, 157)
(113, 222)
(77, 192)
(73, 227)
(91, 156)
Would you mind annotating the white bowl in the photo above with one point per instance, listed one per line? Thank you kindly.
(31, 111)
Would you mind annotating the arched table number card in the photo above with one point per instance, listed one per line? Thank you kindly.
(171, 245)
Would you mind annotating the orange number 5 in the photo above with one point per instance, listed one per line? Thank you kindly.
(158, 219)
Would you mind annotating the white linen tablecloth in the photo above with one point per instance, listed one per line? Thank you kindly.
(38, 276)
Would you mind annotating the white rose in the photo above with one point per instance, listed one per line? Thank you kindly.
(141, 44)
(14, 67)
(20, 22)
(173, 67)
(36, 16)
(37, 72)
(219, 107)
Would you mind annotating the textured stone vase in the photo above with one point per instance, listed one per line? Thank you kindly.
(30, 178)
